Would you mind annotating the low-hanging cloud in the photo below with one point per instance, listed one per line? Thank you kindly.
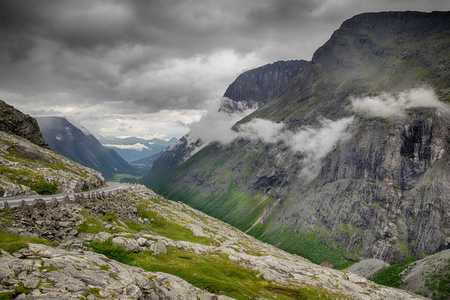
(313, 143)
(391, 105)
(137, 146)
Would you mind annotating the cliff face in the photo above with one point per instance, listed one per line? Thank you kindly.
(361, 163)
(254, 88)
(18, 123)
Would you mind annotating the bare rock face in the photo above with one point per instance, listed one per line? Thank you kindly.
(254, 88)
(18, 123)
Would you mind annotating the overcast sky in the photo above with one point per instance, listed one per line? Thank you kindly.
(150, 68)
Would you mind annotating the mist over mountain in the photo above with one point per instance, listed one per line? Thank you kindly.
(70, 141)
(349, 161)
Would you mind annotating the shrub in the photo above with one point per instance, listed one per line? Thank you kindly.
(16, 246)
(45, 188)
(113, 251)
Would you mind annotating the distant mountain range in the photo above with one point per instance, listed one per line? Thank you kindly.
(82, 147)
(135, 150)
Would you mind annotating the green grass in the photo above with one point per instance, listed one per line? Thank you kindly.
(390, 276)
(166, 228)
(233, 207)
(306, 244)
(12, 242)
(214, 273)
(439, 282)
(44, 188)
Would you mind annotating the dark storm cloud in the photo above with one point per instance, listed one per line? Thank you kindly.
(146, 56)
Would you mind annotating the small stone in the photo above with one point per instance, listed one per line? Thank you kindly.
(64, 224)
(141, 241)
(160, 248)
(103, 236)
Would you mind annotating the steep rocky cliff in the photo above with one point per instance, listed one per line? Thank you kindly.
(254, 88)
(18, 123)
(351, 160)
(27, 168)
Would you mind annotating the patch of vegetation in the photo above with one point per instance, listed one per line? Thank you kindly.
(162, 226)
(109, 216)
(92, 224)
(113, 251)
(306, 244)
(390, 276)
(439, 283)
(233, 207)
(11, 242)
(20, 289)
(44, 188)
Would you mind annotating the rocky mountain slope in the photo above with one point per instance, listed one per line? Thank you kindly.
(148, 247)
(350, 161)
(29, 167)
(70, 141)
(254, 88)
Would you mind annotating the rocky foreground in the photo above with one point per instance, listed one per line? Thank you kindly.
(142, 229)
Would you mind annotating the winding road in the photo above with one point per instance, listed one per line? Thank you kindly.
(15, 201)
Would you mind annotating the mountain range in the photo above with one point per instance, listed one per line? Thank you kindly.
(134, 149)
(81, 146)
(349, 161)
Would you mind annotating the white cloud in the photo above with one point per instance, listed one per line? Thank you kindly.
(314, 143)
(137, 146)
(215, 126)
(391, 105)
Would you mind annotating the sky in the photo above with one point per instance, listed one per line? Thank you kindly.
(152, 68)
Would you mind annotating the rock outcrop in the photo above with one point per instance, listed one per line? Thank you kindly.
(15, 122)
(256, 87)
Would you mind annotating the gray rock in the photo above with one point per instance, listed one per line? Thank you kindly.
(6, 206)
(128, 244)
(103, 236)
(142, 242)
(160, 248)
(366, 268)
(39, 203)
